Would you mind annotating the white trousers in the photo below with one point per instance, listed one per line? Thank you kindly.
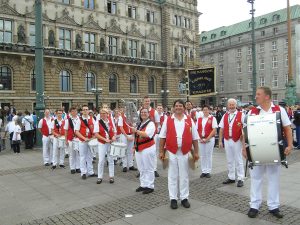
(145, 162)
(178, 172)
(102, 150)
(58, 152)
(47, 149)
(206, 152)
(127, 161)
(272, 174)
(156, 139)
(234, 159)
(86, 159)
(74, 158)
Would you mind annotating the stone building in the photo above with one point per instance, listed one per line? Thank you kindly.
(129, 48)
(229, 49)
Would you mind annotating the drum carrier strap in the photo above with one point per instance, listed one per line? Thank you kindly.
(144, 142)
(101, 122)
(56, 124)
(86, 124)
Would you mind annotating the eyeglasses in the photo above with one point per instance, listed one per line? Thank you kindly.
(85, 109)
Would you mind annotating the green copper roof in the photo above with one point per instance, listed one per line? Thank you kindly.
(245, 26)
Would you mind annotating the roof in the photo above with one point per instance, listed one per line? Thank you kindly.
(266, 20)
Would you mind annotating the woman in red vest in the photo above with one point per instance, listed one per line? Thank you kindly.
(105, 132)
(177, 135)
(145, 151)
(206, 127)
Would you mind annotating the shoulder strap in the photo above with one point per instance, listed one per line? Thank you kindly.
(101, 122)
(56, 123)
(71, 124)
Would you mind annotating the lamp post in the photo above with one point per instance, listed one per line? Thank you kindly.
(253, 49)
(97, 92)
(1, 86)
(39, 66)
(165, 95)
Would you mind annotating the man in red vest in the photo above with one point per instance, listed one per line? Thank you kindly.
(177, 136)
(263, 99)
(45, 127)
(231, 126)
(84, 131)
(58, 130)
(74, 158)
(190, 111)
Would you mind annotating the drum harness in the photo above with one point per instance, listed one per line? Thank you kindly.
(101, 122)
(57, 125)
(72, 126)
(136, 136)
(279, 138)
(86, 124)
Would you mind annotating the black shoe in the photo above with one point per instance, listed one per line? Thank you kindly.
(62, 166)
(228, 181)
(203, 175)
(185, 203)
(208, 175)
(53, 167)
(139, 189)
(240, 183)
(115, 162)
(99, 181)
(93, 175)
(156, 174)
(51, 163)
(148, 191)
(125, 169)
(78, 171)
(174, 204)
(252, 213)
(83, 177)
(66, 156)
(111, 180)
(47, 164)
(138, 175)
(133, 168)
(73, 171)
(276, 213)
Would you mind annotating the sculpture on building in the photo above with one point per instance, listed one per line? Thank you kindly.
(51, 38)
(21, 34)
(78, 42)
(143, 51)
(123, 48)
(102, 45)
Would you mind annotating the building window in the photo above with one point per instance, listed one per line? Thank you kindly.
(90, 81)
(250, 83)
(33, 80)
(222, 43)
(275, 81)
(133, 84)
(151, 85)
(262, 81)
(286, 60)
(182, 54)
(275, 17)
(261, 47)
(250, 66)
(286, 78)
(239, 84)
(178, 21)
(151, 51)
(262, 33)
(274, 62)
(5, 31)
(249, 51)
(67, 2)
(64, 39)
(286, 43)
(89, 4)
(113, 45)
(113, 83)
(132, 12)
(261, 64)
(221, 70)
(275, 30)
(239, 67)
(6, 77)
(239, 98)
(150, 16)
(239, 52)
(250, 98)
(274, 45)
(64, 81)
(89, 40)
(239, 38)
(186, 22)
(133, 45)
(111, 7)
(275, 97)
(32, 34)
(221, 86)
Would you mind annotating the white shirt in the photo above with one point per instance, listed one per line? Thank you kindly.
(199, 114)
(17, 133)
(74, 121)
(231, 118)
(10, 127)
(120, 121)
(59, 123)
(150, 128)
(179, 127)
(204, 121)
(97, 128)
(49, 123)
(77, 126)
(27, 122)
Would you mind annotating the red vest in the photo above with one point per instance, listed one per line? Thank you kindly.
(152, 115)
(143, 143)
(193, 115)
(61, 129)
(208, 126)
(162, 119)
(255, 111)
(45, 128)
(171, 137)
(102, 132)
(118, 128)
(71, 133)
(236, 127)
(125, 125)
(83, 128)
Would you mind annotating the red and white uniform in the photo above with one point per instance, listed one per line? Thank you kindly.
(58, 129)
(272, 171)
(184, 132)
(162, 118)
(232, 125)
(45, 125)
(145, 154)
(205, 126)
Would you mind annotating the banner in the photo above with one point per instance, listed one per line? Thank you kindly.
(202, 81)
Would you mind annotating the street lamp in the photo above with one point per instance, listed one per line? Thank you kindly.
(97, 92)
(1, 86)
(164, 95)
(253, 49)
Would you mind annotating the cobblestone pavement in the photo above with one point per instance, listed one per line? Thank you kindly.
(207, 192)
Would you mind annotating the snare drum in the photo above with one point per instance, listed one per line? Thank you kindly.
(93, 144)
(264, 139)
(118, 149)
(61, 141)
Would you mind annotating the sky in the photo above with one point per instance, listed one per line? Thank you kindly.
(217, 13)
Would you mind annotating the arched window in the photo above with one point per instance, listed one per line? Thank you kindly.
(113, 83)
(33, 80)
(64, 81)
(5, 77)
(151, 85)
(90, 81)
(133, 84)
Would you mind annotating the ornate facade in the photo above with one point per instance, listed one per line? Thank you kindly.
(129, 48)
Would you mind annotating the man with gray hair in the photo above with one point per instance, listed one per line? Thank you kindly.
(231, 126)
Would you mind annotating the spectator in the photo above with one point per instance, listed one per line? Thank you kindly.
(297, 124)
